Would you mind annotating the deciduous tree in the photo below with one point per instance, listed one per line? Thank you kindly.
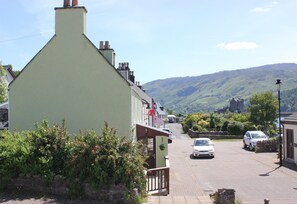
(263, 109)
(3, 85)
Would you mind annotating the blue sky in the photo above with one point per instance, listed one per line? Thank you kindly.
(163, 38)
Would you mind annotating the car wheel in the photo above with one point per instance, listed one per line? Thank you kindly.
(251, 147)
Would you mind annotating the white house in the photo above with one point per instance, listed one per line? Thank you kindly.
(290, 138)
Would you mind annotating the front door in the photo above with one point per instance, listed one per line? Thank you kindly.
(290, 144)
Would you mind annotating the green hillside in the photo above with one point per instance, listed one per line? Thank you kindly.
(207, 93)
(289, 100)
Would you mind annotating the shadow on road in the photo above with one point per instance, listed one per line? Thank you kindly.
(267, 174)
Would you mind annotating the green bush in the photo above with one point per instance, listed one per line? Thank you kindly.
(195, 128)
(185, 127)
(14, 151)
(105, 160)
(248, 126)
(225, 125)
(85, 158)
(199, 128)
(48, 150)
(235, 128)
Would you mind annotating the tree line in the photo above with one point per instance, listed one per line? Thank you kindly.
(260, 115)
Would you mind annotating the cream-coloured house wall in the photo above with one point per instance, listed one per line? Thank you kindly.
(160, 154)
(294, 128)
(136, 108)
(70, 79)
(140, 114)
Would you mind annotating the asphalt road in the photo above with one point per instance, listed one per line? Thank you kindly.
(254, 176)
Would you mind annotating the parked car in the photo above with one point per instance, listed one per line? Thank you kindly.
(251, 138)
(170, 134)
(203, 147)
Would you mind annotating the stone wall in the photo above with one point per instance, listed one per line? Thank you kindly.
(58, 187)
(267, 146)
(224, 196)
(213, 135)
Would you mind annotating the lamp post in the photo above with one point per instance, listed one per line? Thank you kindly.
(278, 83)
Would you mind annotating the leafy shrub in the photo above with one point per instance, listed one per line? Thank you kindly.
(203, 123)
(48, 150)
(195, 128)
(87, 158)
(105, 160)
(14, 151)
(240, 117)
(272, 132)
(225, 125)
(212, 122)
(235, 128)
(248, 126)
(199, 128)
(185, 127)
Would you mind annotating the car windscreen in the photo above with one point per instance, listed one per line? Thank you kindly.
(202, 143)
(258, 135)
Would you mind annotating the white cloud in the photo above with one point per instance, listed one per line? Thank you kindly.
(274, 3)
(237, 45)
(260, 10)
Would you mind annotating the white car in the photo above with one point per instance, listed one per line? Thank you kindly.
(203, 147)
(251, 138)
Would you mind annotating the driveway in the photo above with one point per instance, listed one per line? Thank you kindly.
(254, 176)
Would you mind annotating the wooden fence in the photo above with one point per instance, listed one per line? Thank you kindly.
(158, 181)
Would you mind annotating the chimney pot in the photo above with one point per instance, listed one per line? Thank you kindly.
(107, 46)
(66, 3)
(74, 2)
(101, 45)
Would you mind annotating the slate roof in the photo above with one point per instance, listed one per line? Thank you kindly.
(292, 119)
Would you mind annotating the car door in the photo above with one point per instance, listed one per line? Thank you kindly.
(247, 137)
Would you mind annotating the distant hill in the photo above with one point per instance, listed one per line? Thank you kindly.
(207, 93)
(289, 100)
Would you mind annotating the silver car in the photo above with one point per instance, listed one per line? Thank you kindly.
(251, 138)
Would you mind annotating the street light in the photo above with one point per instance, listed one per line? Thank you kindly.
(278, 83)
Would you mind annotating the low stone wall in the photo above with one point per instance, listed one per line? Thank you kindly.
(224, 196)
(213, 135)
(58, 187)
(267, 146)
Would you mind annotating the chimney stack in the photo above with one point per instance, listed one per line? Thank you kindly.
(70, 21)
(107, 52)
